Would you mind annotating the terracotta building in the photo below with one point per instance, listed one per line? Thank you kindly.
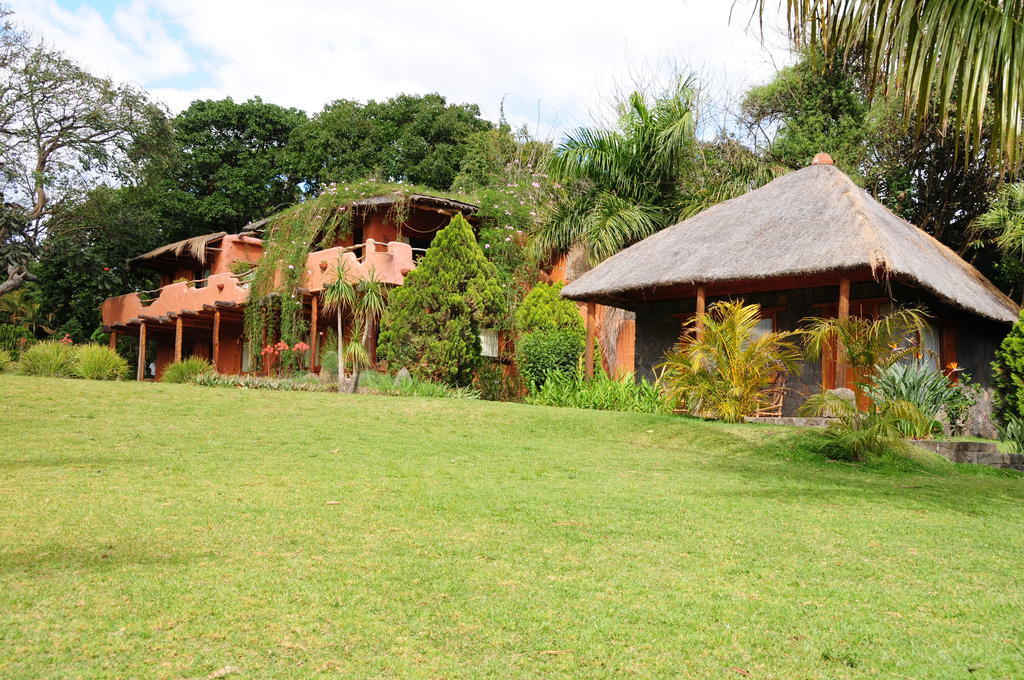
(198, 309)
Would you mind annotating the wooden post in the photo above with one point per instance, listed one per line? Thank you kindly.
(843, 314)
(313, 323)
(140, 372)
(216, 339)
(113, 341)
(177, 339)
(589, 351)
(700, 312)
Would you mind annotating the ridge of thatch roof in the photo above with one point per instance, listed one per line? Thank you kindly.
(195, 247)
(810, 221)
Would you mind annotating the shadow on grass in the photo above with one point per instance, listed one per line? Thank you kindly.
(919, 482)
(50, 557)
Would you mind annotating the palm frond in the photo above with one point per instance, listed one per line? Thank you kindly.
(964, 59)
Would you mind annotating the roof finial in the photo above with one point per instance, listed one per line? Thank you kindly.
(822, 159)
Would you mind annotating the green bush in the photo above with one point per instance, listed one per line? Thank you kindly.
(14, 339)
(96, 362)
(544, 309)
(186, 369)
(51, 359)
(5, 360)
(1008, 376)
(570, 389)
(544, 352)
(432, 324)
(382, 383)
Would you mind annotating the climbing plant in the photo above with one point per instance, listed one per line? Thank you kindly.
(274, 310)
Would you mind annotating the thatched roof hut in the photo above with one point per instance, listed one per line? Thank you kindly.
(811, 221)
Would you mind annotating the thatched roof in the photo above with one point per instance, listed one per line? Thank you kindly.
(194, 247)
(811, 221)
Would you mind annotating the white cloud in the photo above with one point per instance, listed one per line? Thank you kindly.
(550, 60)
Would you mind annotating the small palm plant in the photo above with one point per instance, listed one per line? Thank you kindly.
(725, 371)
(340, 297)
(867, 344)
(864, 435)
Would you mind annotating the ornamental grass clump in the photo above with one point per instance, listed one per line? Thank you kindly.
(571, 389)
(5, 360)
(185, 370)
(51, 359)
(384, 384)
(96, 362)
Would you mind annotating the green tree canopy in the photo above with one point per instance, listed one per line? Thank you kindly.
(230, 165)
(433, 321)
(408, 138)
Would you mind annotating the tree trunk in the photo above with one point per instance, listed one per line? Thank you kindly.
(357, 369)
(17, 276)
(341, 353)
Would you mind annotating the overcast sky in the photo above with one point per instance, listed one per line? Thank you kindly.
(550, 61)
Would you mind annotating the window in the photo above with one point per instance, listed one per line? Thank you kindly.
(489, 343)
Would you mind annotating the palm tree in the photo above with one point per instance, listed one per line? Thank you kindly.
(622, 182)
(372, 300)
(340, 297)
(962, 59)
(724, 371)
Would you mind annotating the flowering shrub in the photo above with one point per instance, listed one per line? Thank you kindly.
(281, 355)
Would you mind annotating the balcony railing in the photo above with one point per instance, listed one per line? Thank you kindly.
(391, 261)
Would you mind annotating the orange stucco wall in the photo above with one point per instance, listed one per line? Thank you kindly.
(236, 248)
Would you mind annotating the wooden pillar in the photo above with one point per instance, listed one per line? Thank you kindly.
(216, 339)
(113, 341)
(589, 350)
(140, 371)
(177, 339)
(843, 314)
(700, 312)
(314, 320)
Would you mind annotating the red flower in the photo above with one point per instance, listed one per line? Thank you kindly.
(67, 339)
(300, 346)
(281, 346)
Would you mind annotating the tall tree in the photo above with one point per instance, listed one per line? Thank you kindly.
(61, 129)
(963, 60)
(408, 138)
(231, 164)
(623, 184)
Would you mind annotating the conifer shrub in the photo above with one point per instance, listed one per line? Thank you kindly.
(96, 362)
(544, 309)
(187, 369)
(51, 359)
(1008, 376)
(433, 321)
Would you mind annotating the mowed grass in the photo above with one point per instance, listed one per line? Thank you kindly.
(171, 531)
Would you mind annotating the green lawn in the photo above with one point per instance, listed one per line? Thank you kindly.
(171, 531)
